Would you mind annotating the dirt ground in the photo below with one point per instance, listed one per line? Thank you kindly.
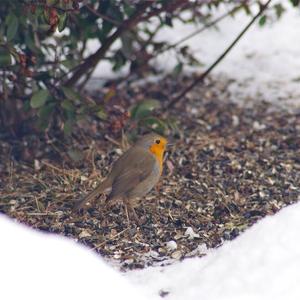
(229, 167)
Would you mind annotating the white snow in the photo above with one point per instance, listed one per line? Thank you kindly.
(36, 266)
(263, 263)
(264, 65)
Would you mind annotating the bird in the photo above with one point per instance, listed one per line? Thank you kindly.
(133, 175)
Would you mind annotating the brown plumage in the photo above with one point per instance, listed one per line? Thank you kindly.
(134, 174)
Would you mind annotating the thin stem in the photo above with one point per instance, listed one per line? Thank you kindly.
(100, 53)
(198, 31)
(201, 77)
(203, 28)
(141, 14)
(102, 16)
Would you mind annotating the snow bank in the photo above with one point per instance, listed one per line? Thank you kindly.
(263, 263)
(38, 266)
(264, 65)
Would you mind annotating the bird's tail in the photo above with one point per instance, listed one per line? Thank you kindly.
(105, 184)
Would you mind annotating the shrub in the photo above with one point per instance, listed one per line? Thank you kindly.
(44, 59)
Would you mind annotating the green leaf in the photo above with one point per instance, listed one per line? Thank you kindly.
(295, 2)
(71, 94)
(12, 23)
(119, 61)
(43, 76)
(68, 127)
(172, 124)
(45, 111)
(105, 30)
(67, 105)
(144, 109)
(178, 69)
(69, 63)
(44, 114)
(128, 9)
(26, 106)
(5, 57)
(44, 27)
(101, 114)
(279, 9)
(114, 13)
(262, 20)
(30, 42)
(62, 22)
(247, 9)
(39, 11)
(155, 124)
(39, 98)
(83, 110)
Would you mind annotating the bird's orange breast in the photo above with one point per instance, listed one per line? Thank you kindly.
(158, 152)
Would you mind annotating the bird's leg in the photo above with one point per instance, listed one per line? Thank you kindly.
(126, 213)
(128, 206)
(135, 216)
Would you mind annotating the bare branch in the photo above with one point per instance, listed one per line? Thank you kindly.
(99, 54)
(200, 78)
(98, 14)
(203, 28)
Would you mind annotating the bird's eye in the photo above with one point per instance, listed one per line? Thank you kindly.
(157, 141)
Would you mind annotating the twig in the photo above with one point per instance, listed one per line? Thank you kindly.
(98, 14)
(200, 78)
(87, 78)
(169, 6)
(113, 141)
(45, 5)
(62, 171)
(203, 28)
(151, 36)
(99, 54)
(43, 214)
(184, 39)
(110, 239)
(138, 16)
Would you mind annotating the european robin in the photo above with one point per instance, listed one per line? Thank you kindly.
(134, 174)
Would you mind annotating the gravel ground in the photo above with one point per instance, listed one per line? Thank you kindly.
(229, 167)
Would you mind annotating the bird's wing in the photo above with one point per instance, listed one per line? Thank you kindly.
(133, 168)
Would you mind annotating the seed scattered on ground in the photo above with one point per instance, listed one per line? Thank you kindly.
(230, 166)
